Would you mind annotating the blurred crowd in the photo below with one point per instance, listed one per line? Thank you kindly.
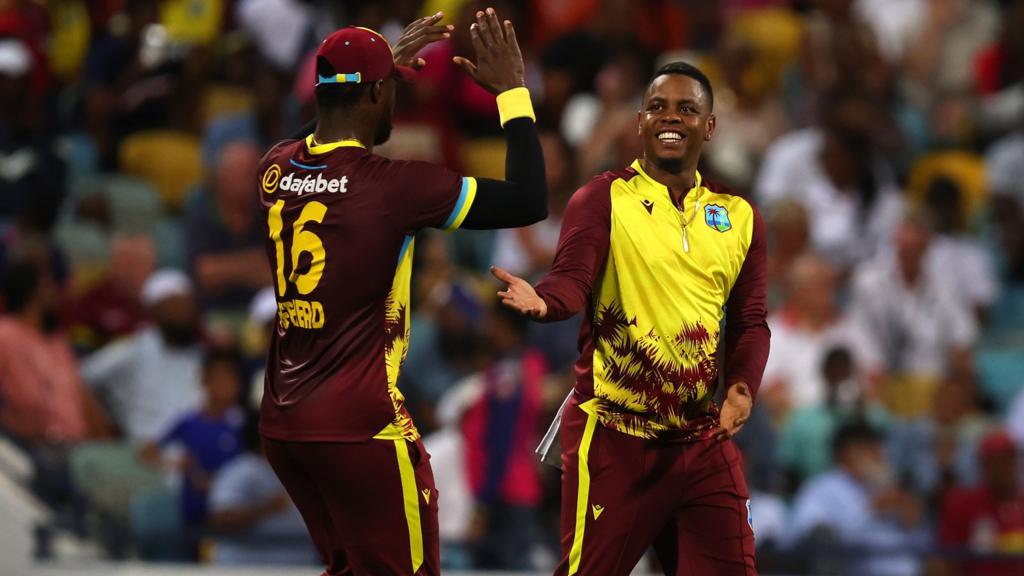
(883, 140)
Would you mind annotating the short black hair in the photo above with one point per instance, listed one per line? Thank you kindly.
(335, 96)
(223, 354)
(685, 69)
(20, 281)
(852, 433)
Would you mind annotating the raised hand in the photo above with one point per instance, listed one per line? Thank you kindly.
(519, 295)
(416, 35)
(499, 63)
(735, 411)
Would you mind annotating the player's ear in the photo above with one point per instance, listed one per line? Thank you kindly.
(639, 122)
(711, 127)
(377, 91)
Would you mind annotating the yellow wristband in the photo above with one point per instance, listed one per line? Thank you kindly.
(515, 103)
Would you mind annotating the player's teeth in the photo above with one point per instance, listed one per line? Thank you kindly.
(669, 136)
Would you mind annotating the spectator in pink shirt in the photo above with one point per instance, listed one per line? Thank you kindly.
(43, 405)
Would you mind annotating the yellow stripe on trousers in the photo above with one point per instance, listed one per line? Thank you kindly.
(582, 495)
(412, 503)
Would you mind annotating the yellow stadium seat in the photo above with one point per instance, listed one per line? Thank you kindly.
(69, 37)
(192, 21)
(484, 158)
(225, 101)
(168, 159)
(964, 168)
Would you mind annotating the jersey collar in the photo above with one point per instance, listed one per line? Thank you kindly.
(315, 148)
(638, 166)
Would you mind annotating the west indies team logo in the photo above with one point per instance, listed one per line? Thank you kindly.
(717, 217)
(270, 179)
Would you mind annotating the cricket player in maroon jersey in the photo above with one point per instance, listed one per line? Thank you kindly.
(653, 254)
(340, 236)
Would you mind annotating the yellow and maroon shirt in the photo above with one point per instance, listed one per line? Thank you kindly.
(340, 226)
(656, 281)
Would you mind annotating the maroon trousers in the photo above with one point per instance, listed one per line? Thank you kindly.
(370, 507)
(622, 494)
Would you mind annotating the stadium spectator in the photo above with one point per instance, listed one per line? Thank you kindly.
(789, 238)
(1001, 64)
(44, 407)
(447, 345)
(954, 249)
(224, 236)
(32, 181)
(804, 330)
(500, 431)
(933, 453)
(268, 121)
(987, 520)
(252, 519)
(209, 437)
(1007, 316)
(125, 88)
(915, 316)
(281, 28)
(841, 52)
(112, 308)
(836, 172)
(874, 526)
(1004, 166)
(44, 403)
(942, 44)
(805, 441)
(750, 116)
(591, 122)
(151, 379)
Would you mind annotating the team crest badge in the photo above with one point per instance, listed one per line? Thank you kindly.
(717, 217)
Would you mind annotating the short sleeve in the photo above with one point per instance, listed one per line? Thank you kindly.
(228, 490)
(175, 434)
(430, 196)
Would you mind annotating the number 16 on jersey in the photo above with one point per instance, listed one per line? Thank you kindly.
(298, 312)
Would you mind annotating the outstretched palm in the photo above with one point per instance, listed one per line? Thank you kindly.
(519, 295)
(417, 35)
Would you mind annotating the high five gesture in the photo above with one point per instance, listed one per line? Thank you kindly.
(499, 63)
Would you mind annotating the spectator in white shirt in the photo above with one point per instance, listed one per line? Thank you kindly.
(1004, 164)
(807, 326)
(835, 172)
(913, 312)
(153, 378)
(953, 249)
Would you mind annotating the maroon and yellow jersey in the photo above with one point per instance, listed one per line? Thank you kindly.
(654, 279)
(340, 226)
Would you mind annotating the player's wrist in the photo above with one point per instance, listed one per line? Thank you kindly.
(542, 308)
(515, 103)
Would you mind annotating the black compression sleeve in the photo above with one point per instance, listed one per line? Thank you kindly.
(522, 198)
